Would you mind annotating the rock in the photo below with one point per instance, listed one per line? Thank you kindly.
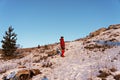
(51, 53)
(11, 75)
(117, 77)
(21, 66)
(22, 74)
(97, 32)
(27, 74)
(116, 26)
(36, 71)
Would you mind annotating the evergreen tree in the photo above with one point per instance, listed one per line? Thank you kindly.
(9, 42)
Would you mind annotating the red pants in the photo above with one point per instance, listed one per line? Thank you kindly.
(62, 52)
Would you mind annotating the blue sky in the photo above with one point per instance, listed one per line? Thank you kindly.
(44, 21)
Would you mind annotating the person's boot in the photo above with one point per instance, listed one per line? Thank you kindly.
(62, 55)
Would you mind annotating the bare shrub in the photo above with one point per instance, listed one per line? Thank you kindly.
(38, 46)
(113, 69)
(47, 64)
(46, 47)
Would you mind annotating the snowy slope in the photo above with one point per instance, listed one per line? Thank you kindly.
(84, 59)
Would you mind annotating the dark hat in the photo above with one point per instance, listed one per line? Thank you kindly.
(62, 37)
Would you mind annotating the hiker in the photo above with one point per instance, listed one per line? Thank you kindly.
(62, 44)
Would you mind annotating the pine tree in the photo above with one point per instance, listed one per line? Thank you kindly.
(9, 42)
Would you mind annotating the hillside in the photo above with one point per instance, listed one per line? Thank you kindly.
(95, 57)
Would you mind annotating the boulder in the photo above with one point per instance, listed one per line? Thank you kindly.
(22, 74)
(27, 74)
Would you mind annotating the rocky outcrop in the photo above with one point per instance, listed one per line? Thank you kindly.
(97, 32)
(92, 34)
(116, 26)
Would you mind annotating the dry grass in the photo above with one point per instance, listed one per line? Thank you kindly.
(0, 51)
(8, 57)
(25, 50)
(97, 47)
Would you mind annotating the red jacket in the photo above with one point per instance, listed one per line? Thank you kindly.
(62, 43)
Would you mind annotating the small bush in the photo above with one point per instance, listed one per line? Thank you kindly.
(113, 69)
(46, 47)
(38, 46)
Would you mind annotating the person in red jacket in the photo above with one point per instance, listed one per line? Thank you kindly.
(62, 44)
